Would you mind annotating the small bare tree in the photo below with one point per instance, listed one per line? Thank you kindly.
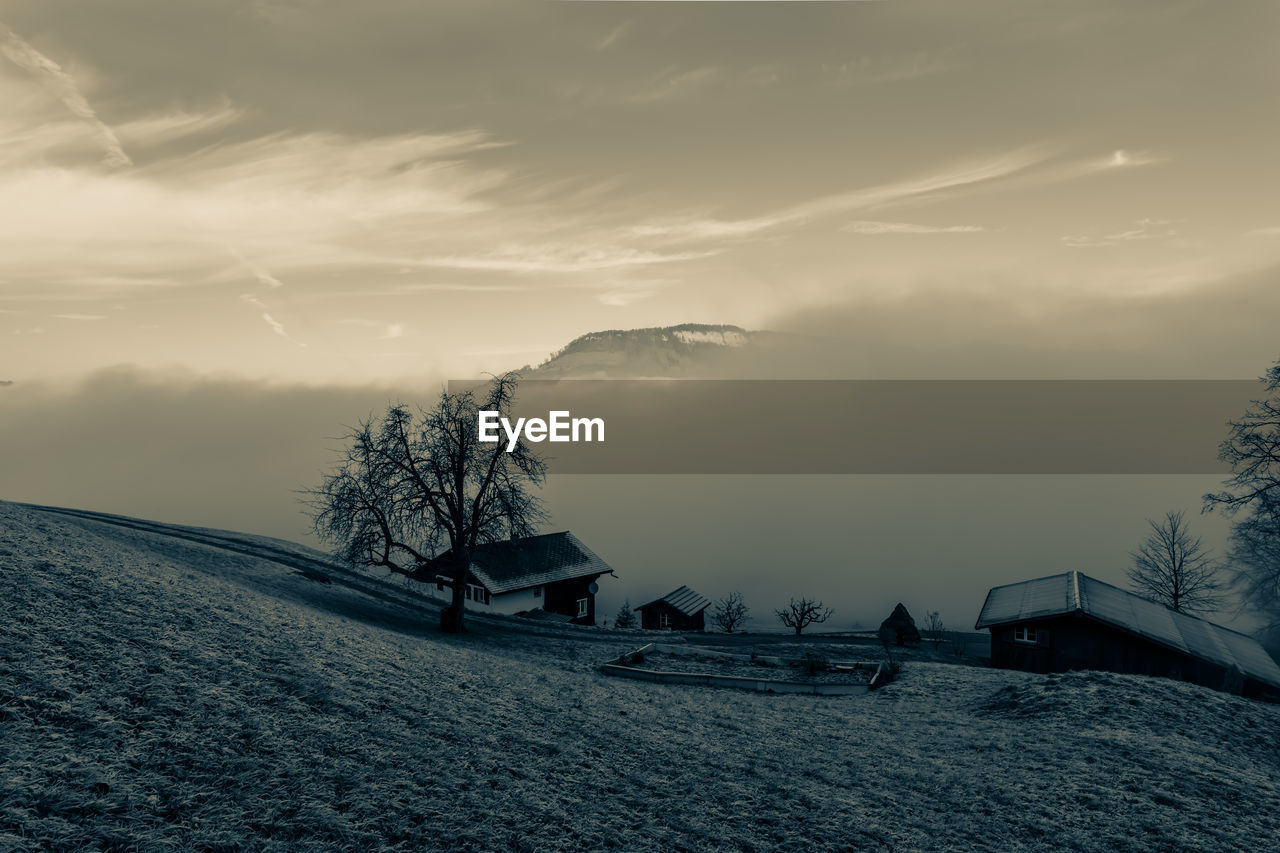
(934, 629)
(800, 613)
(626, 617)
(730, 613)
(1174, 568)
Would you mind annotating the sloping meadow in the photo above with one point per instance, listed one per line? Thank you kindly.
(154, 695)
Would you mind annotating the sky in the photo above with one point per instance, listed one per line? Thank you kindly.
(322, 193)
(227, 228)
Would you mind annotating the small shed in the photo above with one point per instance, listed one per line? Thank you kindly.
(679, 610)
(1072, 621)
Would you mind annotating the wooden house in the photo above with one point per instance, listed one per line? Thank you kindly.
(679, 610)
(1072, 621)
(549, 574)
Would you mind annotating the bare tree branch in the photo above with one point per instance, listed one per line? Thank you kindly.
(416, 494)
(803, 612)
(730, 613)
(1174, 568)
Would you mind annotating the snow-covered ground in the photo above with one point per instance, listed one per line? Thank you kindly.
(158, 693)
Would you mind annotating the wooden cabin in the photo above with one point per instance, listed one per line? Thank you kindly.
(679, 610)
(1072, 621)
(552, 574)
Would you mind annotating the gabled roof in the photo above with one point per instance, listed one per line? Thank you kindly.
(684, 600)
(1073, 592)
(532, 561)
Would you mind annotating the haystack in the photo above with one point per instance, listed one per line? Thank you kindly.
(903, 627)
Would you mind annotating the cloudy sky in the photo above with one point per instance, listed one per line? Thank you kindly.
(229, 227)
(300, 191)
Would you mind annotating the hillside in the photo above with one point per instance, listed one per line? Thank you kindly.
(686, 350)
(168, 693)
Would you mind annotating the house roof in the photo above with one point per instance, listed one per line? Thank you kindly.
(1074, 592)
(684, 600)
(531, 561)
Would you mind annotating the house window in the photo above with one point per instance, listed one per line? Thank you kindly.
(467, 593)
(583, 603)
(439, 585)
(477, 593)
(537, 592)
(1024, 634)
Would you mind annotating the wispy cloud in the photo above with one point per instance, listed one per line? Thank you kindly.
(612, 37)
(870, 71)
(278, 328)
(1121, 157)
(562, 259)
(674, 83)
(22, 54)
(276, 325)
(1144, 229)
(260, 273)
(864, 226)
(81, 317)
(881, 195)
(167, 127)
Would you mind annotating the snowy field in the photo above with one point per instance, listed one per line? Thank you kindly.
(162, 694)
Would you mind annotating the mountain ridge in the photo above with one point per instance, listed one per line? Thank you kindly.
(685, 349)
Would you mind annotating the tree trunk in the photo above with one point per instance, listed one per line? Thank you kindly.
(451, 618)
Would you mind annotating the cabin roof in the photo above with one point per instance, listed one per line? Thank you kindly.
(1075, 592)
(684, 600)
(531, 561)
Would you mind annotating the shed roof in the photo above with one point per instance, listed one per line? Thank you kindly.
(532, 561)
(1074, 592)
(684, 600)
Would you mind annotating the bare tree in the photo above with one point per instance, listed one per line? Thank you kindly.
(626, 617)
(1252, 449)
(416, 493)
(803, 612)
(1174, 568)
(934, 628)
(1254, 552)
(730, 613)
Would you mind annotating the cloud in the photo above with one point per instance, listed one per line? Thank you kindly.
(672, 84)
(278, 328)
(278, 204)
(625, 297)
(394, 330)
(881, 195)
(870, 71)
(1121, 158)
(613, 36)
(1147, 229)
(562, 259)
(22, 54)
(276, 325)
(85, 317)
(158, 129)
(259, 272)
(872, 227)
